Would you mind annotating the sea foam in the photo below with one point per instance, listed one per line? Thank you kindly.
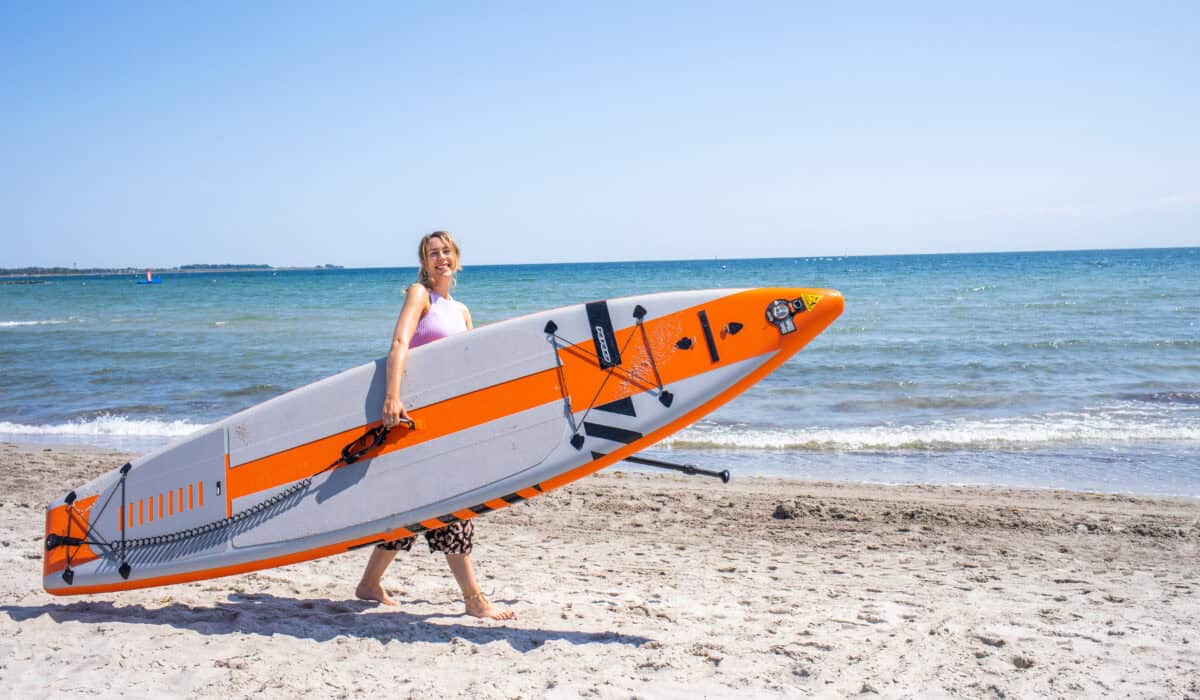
(1059, 430)
(106, 425)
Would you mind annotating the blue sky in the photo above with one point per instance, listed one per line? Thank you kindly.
(290, 133)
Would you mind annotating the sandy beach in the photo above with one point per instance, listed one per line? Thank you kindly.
(657, 586)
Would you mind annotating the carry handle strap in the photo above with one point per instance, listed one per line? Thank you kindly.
(370, 440)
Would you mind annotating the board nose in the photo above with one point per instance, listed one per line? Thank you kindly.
(812, 310)
(833, 300)
(828, 302)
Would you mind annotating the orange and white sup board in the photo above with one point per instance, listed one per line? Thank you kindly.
(502, 413)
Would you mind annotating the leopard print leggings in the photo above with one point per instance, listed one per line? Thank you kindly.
(455, 538)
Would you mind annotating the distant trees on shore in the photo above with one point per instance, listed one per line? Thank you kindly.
(224, 267)
(199, 267)
(14, 271)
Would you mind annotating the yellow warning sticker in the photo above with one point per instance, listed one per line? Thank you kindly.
(810, 300)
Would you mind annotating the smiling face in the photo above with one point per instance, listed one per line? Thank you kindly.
(439, 258)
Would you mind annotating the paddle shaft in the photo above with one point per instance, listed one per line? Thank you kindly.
(688, 469)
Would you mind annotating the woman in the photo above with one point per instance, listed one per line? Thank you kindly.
(428, 314)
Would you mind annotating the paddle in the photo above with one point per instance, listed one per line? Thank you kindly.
(689, 469)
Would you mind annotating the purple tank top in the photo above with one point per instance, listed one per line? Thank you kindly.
(445, 317)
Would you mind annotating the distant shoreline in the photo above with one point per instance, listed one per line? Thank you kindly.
(37, 271)
(44, 272)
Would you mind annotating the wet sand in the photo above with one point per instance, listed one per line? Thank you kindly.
(636, 585)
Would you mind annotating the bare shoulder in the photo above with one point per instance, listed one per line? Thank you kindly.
(466, 314)
(417, 293)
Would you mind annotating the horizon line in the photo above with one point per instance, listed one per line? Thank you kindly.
(250, 267)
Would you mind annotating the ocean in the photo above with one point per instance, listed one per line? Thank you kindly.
(1075, 370)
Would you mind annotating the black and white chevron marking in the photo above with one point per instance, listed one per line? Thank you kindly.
(611, 433)
(622, 406)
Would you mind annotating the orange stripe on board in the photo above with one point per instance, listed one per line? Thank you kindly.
(191, 499)
(160, 506)
(587, 384)
(462, 412)
(200, 493)
(434, 421)
(170, 503)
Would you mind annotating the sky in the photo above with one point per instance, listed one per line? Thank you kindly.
(294, 133)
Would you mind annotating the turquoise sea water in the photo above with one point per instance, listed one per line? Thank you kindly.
(1064, 370)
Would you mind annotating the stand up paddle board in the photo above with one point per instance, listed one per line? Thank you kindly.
(501, 414)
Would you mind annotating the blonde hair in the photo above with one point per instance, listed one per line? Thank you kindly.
(423, 255)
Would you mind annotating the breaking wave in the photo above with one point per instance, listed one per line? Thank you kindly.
(104, 426)
(46, 322)
(1008, 434)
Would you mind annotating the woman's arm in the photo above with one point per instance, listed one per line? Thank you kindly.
(416, 303)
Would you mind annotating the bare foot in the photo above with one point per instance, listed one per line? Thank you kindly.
(479, 606)
(376, 593)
